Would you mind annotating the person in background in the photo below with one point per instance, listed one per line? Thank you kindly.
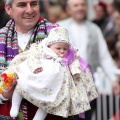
(3, 15)
(58, 12)
(111, 8)
(55, 10)
(102, 19)
(116, 17)
(25, 27)
(106, 24)
(88, 38)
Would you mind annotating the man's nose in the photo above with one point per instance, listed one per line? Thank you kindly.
(29, 9)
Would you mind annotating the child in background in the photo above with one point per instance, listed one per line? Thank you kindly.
(52, 76)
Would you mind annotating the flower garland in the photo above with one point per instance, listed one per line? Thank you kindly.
(6, 82)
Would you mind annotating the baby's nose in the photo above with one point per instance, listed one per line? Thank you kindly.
(62, 51)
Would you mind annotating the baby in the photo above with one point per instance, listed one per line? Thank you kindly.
(59, 48)
(52, 76)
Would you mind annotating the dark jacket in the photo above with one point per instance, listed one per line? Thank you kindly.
(3, 19)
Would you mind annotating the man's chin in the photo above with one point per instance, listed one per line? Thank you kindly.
(30, 21)
(30, 25)
(79, 17)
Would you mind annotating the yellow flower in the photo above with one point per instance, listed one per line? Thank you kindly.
(1, 90)
(10, 77)
(6, 85)
(10, 80)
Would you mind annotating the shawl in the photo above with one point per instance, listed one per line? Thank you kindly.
(9, 43)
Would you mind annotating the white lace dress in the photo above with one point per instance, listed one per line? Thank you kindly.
(54, 89)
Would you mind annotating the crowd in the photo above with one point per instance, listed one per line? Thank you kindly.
(97, 41)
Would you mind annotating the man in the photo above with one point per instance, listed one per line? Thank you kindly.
(25, 28)
(88, 38)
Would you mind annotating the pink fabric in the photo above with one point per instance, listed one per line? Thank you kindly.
(70, 56)
(84, 64)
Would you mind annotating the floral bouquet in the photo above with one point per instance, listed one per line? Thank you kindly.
(7, 81)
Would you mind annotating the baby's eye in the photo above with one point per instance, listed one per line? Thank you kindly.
(65, 49)
(58, 48)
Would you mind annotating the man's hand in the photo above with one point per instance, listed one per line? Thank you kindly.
(8, 95)
(116, 88)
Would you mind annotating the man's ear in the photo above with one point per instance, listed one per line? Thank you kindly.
(8, 9)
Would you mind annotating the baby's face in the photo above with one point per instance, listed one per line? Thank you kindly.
(59, 48)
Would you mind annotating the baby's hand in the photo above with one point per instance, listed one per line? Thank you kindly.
(38, 70)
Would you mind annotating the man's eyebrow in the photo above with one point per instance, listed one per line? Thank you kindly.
(34, 2)
(22, 2)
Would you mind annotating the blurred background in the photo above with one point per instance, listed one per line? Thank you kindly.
(106, 15)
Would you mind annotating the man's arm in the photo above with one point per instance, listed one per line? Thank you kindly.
(7, 95)
(15, 62)
(106, 60)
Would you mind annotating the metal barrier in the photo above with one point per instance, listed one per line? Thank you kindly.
(107, 105)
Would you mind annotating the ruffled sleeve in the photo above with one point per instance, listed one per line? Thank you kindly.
(75, 67)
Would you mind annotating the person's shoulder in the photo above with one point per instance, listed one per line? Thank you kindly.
(44, 21)
(46, 25)
(93, 25)
(50, 25)
(3, 30)
(64, 22)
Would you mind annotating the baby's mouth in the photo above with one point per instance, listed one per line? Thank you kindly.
(61, 55)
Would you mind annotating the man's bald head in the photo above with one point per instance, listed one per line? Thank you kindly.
(77, 9)
(69, 2)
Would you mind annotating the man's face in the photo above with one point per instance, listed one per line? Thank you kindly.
(99, 12)
(77, 9)
(116, 17)
(25, 13)
(110, 9)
